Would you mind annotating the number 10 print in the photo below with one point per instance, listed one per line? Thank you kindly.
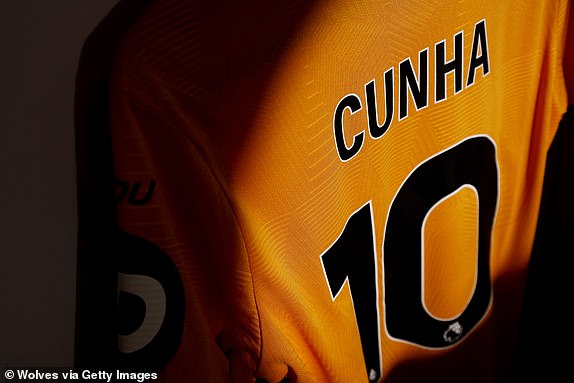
(352, 258)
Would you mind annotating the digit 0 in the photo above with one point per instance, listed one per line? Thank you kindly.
(472, 163)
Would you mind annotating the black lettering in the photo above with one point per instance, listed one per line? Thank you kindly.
(408, 82)
(443, 67)
(353, 102)
(375, 129)
(134, 196)
(122, 189)
(479, 55)
(135, 192)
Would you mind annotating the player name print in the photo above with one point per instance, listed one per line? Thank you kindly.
(413, 83)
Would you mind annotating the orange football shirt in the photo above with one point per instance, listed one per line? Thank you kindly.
(348, 190)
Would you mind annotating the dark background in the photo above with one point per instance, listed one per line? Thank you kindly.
(40, 43)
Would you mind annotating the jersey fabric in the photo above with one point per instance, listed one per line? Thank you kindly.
(341, 191)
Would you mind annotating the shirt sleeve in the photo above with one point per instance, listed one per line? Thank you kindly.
(180, 246)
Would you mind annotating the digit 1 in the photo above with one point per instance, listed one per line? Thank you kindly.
(471, 162)
(352, 260)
